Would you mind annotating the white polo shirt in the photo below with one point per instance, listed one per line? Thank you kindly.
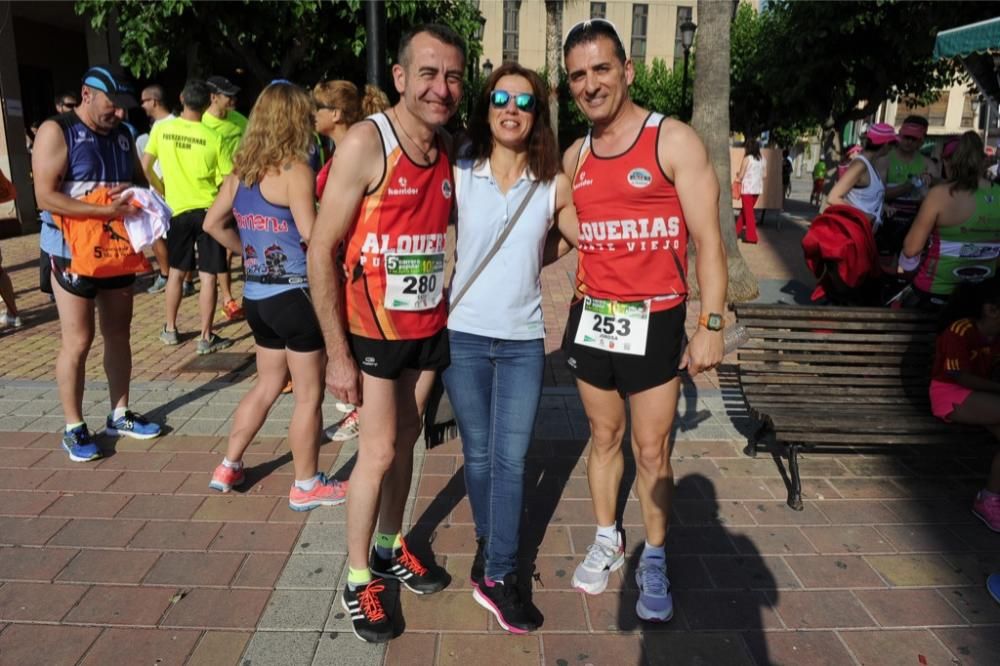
(505, 301)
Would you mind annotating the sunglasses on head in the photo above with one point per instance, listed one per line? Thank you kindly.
(604, 26)
(499, 99)
(69, 105)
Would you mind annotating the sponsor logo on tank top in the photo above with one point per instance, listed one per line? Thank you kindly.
(402, 189)
(582, 181)
(261, 223)
(377, 245)
(640, 235)
(640, 178)
(446, 188)
(123, 143)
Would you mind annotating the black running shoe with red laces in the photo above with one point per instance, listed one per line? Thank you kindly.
(369, 620)
(478, 563)
(408, 570)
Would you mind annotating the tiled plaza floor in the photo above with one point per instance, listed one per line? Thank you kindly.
(132, 560)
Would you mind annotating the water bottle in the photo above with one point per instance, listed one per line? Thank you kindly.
(733, 337)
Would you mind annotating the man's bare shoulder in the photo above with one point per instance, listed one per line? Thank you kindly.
(676, 134)
(361, 138)
(571, 156)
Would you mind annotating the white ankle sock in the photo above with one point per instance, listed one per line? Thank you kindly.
(307, 484)
(118, 413)
(657, 552)
(226, 462)
(609, 533)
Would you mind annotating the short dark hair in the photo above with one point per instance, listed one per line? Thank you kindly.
(156, 91)
(916, 120)
(589, 31)
(196, 95)
(440, 32)
(543, 151)
(60, 97)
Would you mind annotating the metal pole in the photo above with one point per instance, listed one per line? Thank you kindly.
(684, 86)
(375, 48)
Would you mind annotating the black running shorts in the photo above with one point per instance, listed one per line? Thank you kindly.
(284, 321)
(184, 236)
(387, 359)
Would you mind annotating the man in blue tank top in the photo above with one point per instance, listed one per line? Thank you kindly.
(74, 154)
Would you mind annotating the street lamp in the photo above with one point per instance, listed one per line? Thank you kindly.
(687, 39)
(487, 68)
(474, 64)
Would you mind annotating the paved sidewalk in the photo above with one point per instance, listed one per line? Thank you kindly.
(133, 560)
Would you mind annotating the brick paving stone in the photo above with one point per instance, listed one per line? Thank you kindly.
(770, 540)
(148, 482)
(78, 480)
(727, 610)
(878, 648)
(975, 537)
(411, 648)
(701, 512)
(858, 512)
(136, 606)
(175, 443)
(815, 648)
(217, 609)
(18, 439)
(555, 572)
(260, 570)
(14, 503)
(929, 511)
(909, 608)
(108, 566)
(694, 648)
(821, 609)
(829, 571)
(851, 488)
(40, 564)
(87, 505)
(23, 479)
(973, 645)
(162, 507)
(918, 538)
(444, 611)
(283, 647)
(20, 458)
(460, 649)
(29, 531)
(256, 537)
(193, 461)
(144, 461)
(917, 570)
(747, 572)
(235, 507)
(615, 612)
(296, 610)
(848, 539)
(141, 646)
(312, 572)
(194, 569)
(597, 649)
(976, 566)
(19, 644)
(779, 513)
(174, 535)
(96, 533)
(697, 541)
(219, 648)
(974, 603)
(37, 602)
(812, 489)
(741, 489)
(563, 611)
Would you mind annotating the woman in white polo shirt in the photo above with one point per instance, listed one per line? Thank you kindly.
(495, 326)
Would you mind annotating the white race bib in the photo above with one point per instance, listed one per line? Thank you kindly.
(614, 326)
(413, 281)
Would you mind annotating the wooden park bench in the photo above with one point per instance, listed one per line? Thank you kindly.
(830, 377)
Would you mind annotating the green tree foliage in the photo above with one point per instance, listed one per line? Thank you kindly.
(801, 64)
(303, 40)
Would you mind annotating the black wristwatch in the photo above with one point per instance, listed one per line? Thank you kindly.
(712, 321)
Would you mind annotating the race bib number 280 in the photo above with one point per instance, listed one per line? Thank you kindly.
(413, 281)
(614, 326)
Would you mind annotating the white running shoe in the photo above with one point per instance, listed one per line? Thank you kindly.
(655, 602)
(603, 557)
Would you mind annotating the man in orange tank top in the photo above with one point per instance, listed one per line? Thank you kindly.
(641, 185)
(389, 197)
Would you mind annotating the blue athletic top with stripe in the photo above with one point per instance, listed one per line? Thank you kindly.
(274, 254)
(93, 160)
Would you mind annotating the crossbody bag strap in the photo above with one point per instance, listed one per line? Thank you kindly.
(497, 245)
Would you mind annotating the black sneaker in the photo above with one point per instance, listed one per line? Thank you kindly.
(478, 563)
(505, 602)
(407, 569)
(368, 617)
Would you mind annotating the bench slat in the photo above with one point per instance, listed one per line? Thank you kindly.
(817, 326)
(806, 380)
(861, 314)
(869, 439)
(827, 346)
(830, 370)
(826, 392)
(869, 360)
(916, 340)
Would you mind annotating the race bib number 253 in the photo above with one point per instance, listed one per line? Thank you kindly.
(614, 326)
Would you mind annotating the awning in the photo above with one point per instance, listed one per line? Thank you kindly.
(975, 45)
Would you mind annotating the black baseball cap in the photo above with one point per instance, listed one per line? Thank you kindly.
(114, 82)
(222, 85)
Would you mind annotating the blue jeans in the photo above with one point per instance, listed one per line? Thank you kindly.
(494, 386)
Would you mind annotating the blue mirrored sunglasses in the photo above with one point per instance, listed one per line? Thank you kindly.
(499, 99)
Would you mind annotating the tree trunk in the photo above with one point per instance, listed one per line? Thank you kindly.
(710, 118)
(553, 57)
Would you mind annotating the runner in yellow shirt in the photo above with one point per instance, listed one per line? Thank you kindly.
(193, 164)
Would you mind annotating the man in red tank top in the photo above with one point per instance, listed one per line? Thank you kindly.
(389, 196)
(642, 184)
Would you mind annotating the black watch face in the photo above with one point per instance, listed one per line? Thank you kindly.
(714, 322)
